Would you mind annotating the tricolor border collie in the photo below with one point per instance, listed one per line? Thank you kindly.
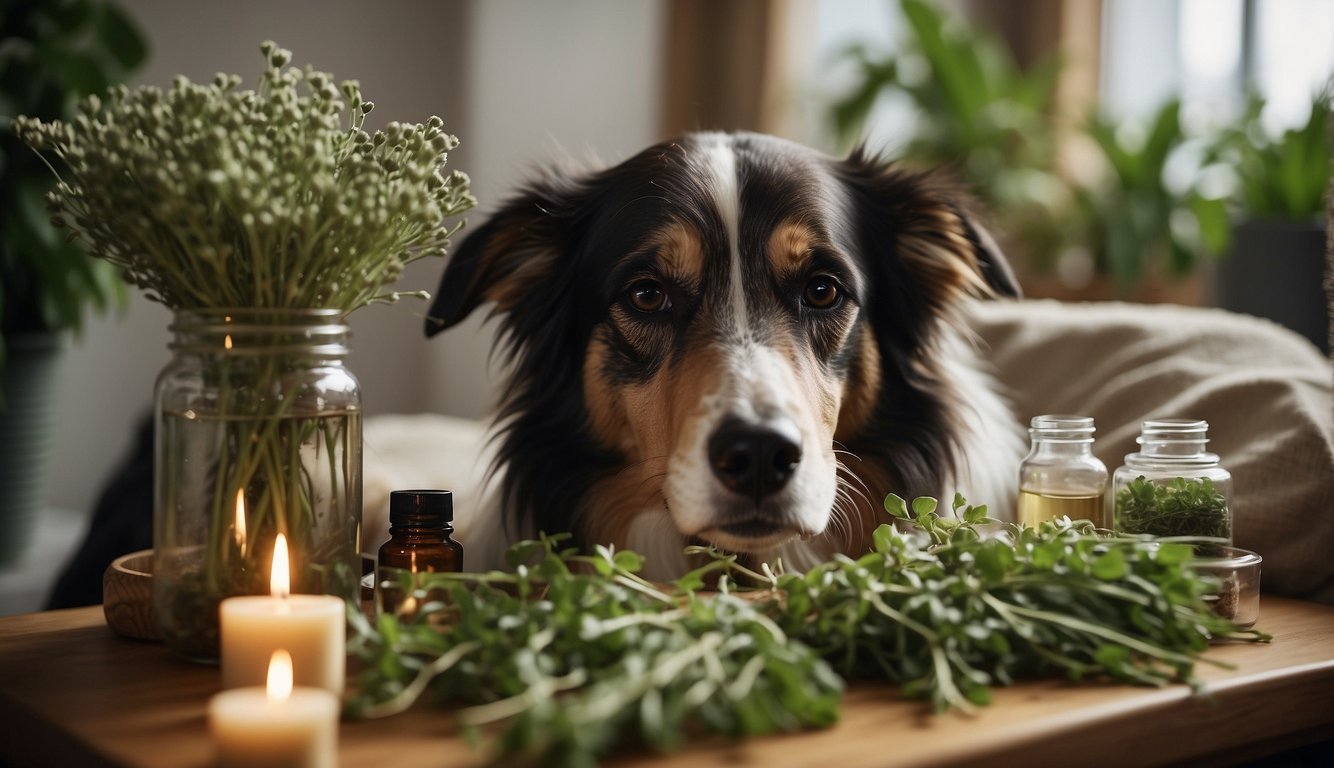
(732, 339)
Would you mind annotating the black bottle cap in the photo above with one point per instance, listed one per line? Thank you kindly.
(421, 507)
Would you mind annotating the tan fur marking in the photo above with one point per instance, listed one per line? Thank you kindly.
(521, 281)
(681, 251)
(619, 418)
(682, 395)
(647, 422)
(607, 419)
(629, 417)
(612, 505)
(939, 251)
(790, 247)
(861, 391)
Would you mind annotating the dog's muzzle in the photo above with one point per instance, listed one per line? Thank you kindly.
(755, 462)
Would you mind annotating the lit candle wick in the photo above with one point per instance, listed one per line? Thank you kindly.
(280, 584)
(279, 686)
(240, 520)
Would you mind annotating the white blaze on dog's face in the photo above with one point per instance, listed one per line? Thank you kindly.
(721, 370)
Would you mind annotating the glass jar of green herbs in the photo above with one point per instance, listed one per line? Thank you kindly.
(1173, 486)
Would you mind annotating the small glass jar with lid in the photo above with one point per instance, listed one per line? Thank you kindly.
(1173, 486)
(1060, 476)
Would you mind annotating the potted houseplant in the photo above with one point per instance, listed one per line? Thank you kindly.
(993, 123)
(52, 53)
(262, 218)
(1276, 264)
(981, 116)
(1132, 220)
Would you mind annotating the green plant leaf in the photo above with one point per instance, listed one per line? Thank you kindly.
(1110, 565)
(883, 538)
(1164, 136)
(121, 37)
(923, 506)
(950, 65)
(1215, 225)
(627, 560)
(896, 506)
(1172, 554)
(70, 16)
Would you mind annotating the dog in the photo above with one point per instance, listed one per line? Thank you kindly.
(732, 339)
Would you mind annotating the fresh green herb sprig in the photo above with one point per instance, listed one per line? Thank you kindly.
(575, 655)
(208, 196)
(1179, 507)
(970, 611)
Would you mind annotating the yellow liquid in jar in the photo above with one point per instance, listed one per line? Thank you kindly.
(1036, 507)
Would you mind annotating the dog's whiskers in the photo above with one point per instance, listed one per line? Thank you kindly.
(847, 477)
(846, 505)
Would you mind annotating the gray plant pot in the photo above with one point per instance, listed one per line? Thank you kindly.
(1276, 270)
(27, 418)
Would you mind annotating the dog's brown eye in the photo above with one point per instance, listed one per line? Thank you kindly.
(649, 296)
(821, 292)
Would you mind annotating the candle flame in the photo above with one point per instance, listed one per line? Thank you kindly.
(227, 341)
(279, 686)
(240, 520)
(280, 583)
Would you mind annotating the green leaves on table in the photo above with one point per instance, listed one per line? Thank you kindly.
(576, 654)
(572, 655)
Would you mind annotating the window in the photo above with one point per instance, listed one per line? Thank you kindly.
(1212, 51)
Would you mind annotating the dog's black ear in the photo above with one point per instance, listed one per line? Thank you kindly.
(925, 222)
(991, 262)
(503, 261)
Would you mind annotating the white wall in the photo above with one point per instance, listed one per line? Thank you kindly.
(546, 79)
(516, 80)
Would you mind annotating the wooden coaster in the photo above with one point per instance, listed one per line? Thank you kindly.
(127, 596)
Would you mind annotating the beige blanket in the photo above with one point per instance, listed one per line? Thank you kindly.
(1267, 394)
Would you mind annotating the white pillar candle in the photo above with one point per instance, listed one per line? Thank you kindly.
(275, 726)
(312, 628)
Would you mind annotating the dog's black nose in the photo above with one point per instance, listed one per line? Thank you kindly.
(754, 460)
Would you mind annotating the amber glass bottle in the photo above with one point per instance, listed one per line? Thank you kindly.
(420, 524)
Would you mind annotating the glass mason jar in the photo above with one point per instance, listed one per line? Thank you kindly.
(1173, 486)
(1060, 475)
(258, 432)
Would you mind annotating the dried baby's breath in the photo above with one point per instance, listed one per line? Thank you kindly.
(209, 196)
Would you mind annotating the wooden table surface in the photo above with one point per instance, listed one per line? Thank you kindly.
(72, 693)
